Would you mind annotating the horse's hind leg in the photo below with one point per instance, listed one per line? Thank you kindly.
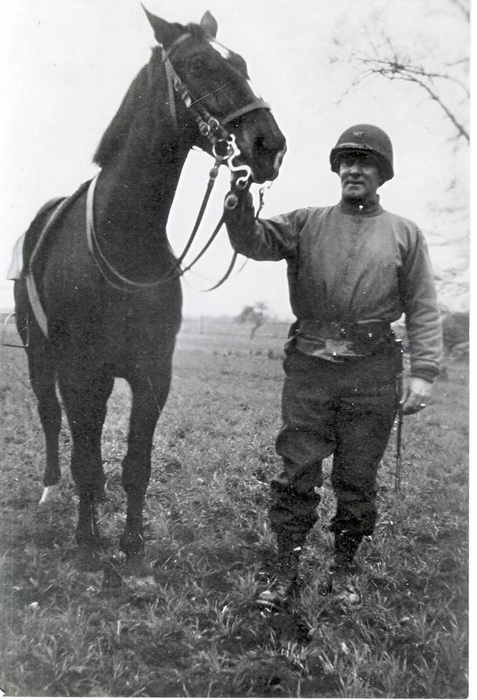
(85, 398)
(42, 378)
(42, 371)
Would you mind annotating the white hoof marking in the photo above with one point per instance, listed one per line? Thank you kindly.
(49, 495)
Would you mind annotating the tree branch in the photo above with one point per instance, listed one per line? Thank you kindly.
(386, 61)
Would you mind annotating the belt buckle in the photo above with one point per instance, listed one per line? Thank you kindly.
(337, 331)
(337, 348)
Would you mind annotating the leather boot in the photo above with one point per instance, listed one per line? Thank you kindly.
(282, 585)
(341, 582)
(346, 546)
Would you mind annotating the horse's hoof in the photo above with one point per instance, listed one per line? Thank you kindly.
(89, 559)
(132, 546)
(139, 581)
(51, 494)
(113, 578)
(138, 568)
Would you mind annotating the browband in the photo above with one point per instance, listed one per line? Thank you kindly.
(174, 45)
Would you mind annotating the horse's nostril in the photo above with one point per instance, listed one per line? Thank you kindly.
(263, 147)
(268, 145)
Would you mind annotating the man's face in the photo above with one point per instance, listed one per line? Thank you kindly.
(360, 177)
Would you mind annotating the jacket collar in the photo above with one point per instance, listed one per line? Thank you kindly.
(372, 208)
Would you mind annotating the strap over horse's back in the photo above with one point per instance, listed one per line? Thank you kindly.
(35, 244)
(34, 234)
(26, 244)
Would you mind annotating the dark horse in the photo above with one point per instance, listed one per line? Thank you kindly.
(100, 296)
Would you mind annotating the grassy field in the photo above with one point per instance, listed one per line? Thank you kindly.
(195, 631)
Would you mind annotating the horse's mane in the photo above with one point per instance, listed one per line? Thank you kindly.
(139, 98)
(146, 95)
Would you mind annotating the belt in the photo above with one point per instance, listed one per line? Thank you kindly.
(367, 331)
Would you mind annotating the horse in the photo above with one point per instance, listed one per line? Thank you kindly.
(99, 296)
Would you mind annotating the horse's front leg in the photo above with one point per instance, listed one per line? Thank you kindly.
(148, 399)
(85, 400)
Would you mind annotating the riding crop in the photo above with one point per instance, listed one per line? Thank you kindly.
(400, 420)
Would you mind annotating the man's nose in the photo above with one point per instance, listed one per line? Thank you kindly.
(355, 166)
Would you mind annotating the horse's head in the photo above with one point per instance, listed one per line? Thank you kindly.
(213, 93)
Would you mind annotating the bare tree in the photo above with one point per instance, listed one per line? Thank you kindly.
(257, 315)
(445, 82)
(437, 66)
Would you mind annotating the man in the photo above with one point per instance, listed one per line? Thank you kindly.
(353, 269)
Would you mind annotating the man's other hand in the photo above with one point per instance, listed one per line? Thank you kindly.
(415, 394)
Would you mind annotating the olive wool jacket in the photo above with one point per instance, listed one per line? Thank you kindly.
(350, 264)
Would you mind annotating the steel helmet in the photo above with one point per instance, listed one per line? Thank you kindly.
(365, 137)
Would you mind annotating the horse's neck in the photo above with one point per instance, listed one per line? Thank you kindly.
(134, 197)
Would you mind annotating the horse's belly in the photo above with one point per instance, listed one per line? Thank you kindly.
(114, 330)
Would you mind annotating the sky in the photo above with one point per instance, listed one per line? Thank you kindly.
(67, 65)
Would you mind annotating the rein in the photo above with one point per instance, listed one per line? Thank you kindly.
(224, 150)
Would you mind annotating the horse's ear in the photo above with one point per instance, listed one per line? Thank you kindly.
(164, 32)
(209, 25)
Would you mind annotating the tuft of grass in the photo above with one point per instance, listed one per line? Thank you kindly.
(194, 630)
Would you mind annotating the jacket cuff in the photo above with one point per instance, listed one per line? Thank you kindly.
(427, 372)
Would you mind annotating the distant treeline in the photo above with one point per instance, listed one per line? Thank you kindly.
(455, 328)
(224, 325)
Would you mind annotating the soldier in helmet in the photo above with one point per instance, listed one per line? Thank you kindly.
(353, 269)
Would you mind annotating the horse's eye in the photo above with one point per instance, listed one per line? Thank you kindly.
(196, 66)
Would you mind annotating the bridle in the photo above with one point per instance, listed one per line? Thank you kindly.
(224, 150)
(221, 139)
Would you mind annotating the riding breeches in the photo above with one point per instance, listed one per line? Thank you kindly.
(346, 410)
